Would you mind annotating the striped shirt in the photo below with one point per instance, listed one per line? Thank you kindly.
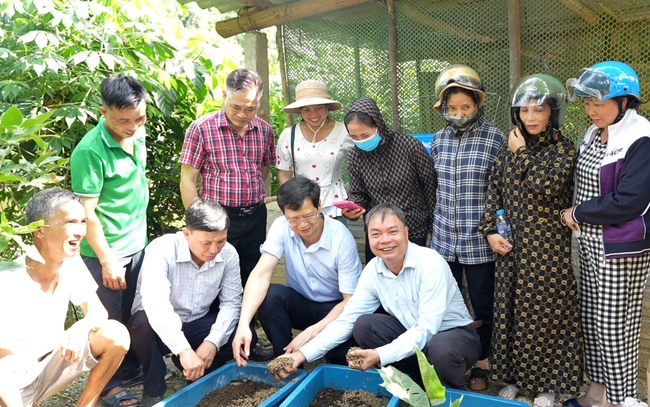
(173, 290)
(230, 165)
(463, 164)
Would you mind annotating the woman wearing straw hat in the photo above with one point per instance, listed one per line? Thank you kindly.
(315, 148)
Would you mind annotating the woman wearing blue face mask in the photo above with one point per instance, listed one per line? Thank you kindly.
(388, 167)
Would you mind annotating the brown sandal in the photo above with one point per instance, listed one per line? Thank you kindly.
(478, 379)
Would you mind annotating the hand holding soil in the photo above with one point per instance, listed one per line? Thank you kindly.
(280, 364)
(354, 361)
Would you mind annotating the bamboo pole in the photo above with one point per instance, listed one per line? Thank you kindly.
(392, 48)
(280, 14)
(514, 38)
(279, 40)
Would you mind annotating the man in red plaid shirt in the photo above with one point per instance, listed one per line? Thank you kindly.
(232, 151)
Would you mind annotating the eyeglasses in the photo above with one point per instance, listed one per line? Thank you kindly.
(306, 219)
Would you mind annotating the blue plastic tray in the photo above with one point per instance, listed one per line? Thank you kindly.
(480, 400)
(257, 372)
(426, 139)
(338, 378)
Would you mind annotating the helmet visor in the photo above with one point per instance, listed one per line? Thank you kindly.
(462, 75)
(533, 99)
(589, 84)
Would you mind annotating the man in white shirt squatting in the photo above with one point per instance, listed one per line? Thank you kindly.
(322, 267)
(423, 304)
(37, 357)
(182, 275)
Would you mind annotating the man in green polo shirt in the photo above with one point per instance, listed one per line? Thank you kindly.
(108, 174)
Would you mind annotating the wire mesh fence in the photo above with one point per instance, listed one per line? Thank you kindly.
(348, 50)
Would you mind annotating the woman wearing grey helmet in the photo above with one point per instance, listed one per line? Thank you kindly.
(611, 220)
(537, 340)
(464, 154)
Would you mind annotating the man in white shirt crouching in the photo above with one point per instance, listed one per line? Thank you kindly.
(182, 275)
(423, 307)
(37, 357)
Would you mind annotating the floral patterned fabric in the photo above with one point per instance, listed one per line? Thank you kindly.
(321, 162)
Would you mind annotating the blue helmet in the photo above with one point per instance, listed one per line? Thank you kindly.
(605, 80)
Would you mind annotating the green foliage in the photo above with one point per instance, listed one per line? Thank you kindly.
(278, 123)
(26, 165)
(54, 55)
(404, 388)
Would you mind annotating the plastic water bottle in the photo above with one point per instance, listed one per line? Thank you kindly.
(503, 226)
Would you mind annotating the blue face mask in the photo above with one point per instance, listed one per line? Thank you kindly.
(370, 143)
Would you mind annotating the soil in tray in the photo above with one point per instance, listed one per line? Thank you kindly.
(239, 393)
(342, 398)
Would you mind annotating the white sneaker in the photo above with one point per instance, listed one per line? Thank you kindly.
(632, 402)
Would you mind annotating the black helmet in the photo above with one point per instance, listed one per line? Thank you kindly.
(540, 90)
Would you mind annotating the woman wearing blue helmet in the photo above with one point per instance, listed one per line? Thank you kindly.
(612, 223)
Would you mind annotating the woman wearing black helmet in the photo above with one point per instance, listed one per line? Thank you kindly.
(464, 153)
(537, 343)
(611, 220)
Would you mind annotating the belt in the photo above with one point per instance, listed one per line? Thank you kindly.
(244, 210)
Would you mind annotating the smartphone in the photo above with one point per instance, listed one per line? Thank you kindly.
(347, 205)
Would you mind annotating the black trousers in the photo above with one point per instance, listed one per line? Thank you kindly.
(118, 304)
(284, 309)
(150, 349)
(247, 233)
(420, 241)
(451, 352)
(480, 284)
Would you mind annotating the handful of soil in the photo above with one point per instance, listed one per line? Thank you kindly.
(354, 360)
(280, 364)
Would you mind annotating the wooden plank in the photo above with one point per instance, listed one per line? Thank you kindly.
(514, 39)
(279, 40)
(280, 14)
(392, 54)
(581, 10)
(632, 14)
(429, 21)
(257, 4)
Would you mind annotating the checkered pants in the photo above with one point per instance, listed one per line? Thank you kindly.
(611, 292)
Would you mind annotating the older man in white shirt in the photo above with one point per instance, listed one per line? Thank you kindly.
(182, 275)
(423, 307)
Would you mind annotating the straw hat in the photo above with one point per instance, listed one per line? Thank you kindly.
(311, 93)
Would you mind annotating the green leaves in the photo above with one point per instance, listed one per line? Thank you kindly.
(404, 388)
(11, 118)
(435, 389)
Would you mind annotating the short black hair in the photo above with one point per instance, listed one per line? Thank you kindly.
(383, 210)
(44, 204)
(244, 79)
(207, 216)
(292, 194)
(360, 117)
(122, 92)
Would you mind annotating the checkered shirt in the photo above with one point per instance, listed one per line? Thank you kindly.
(230, 165)
(463, 164)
